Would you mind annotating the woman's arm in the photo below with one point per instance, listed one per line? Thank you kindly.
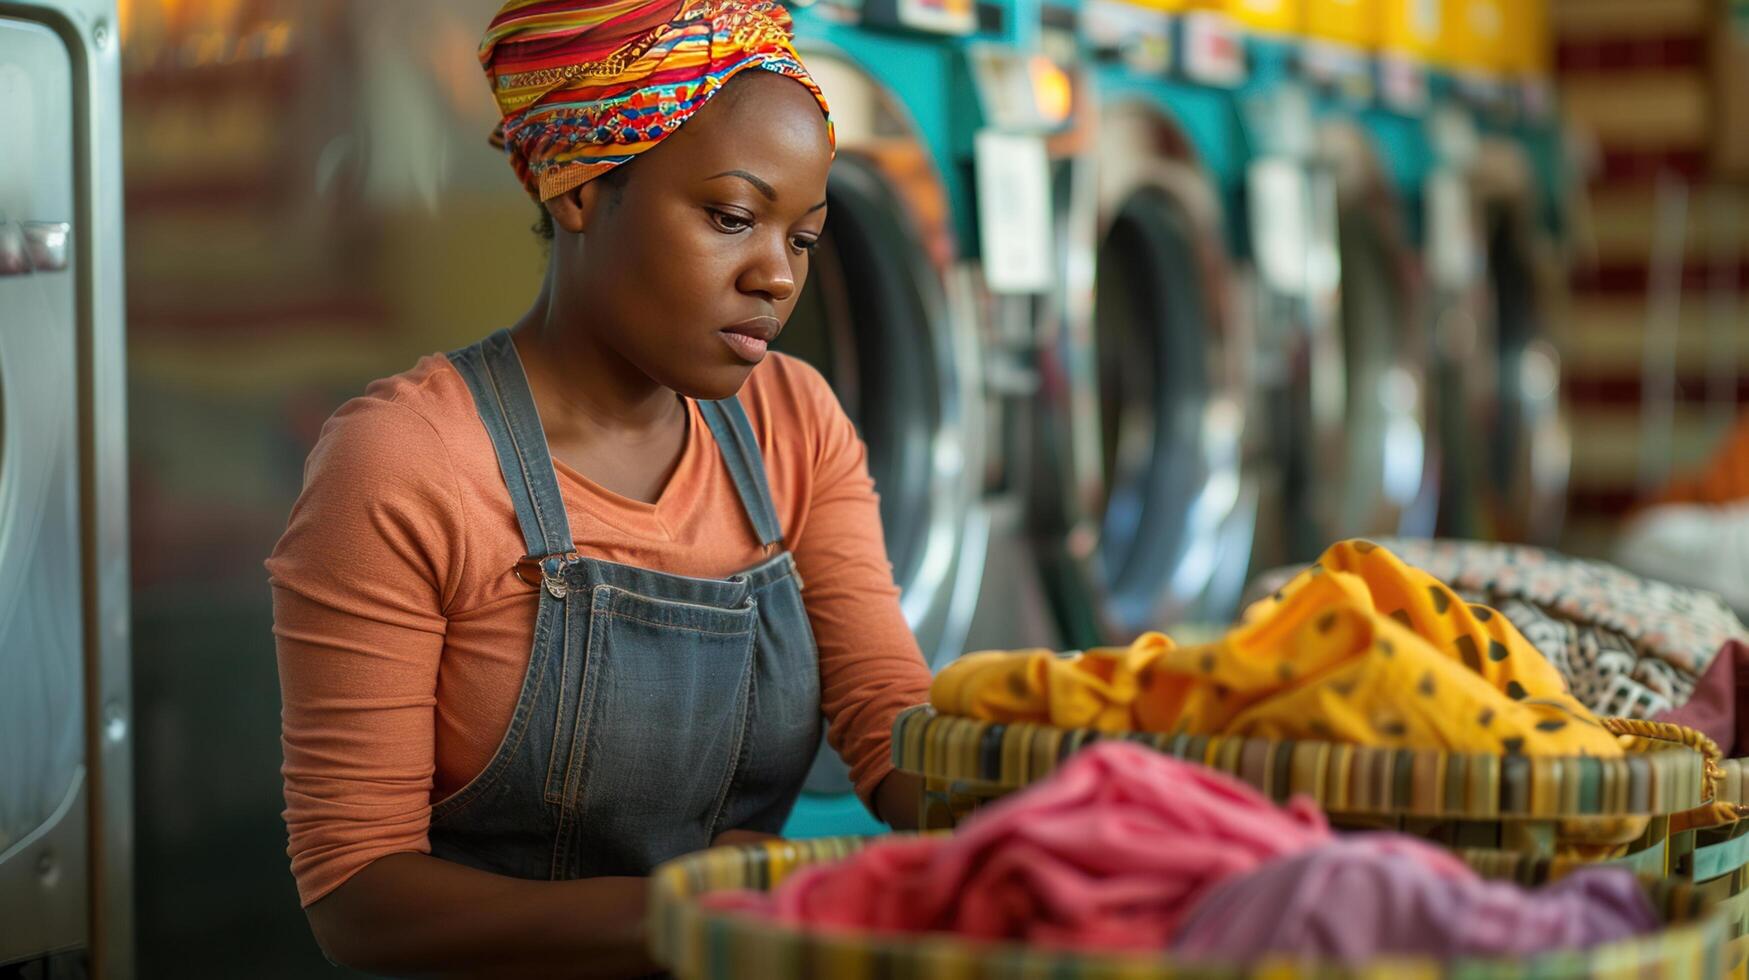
(870, 665)
(413, 915)
(899, 800)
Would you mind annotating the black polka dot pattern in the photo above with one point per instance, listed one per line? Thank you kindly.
(1441, 598)
(1466, 648)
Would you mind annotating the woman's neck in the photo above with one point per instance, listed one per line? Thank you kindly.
(583, 385)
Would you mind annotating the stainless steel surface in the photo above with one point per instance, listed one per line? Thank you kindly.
(14, 257)
(1383, 478)
(63, 522)
(42, 668)
(1526, 455)
(47, 244)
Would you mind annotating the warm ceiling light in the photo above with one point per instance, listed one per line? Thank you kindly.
(1052, 90)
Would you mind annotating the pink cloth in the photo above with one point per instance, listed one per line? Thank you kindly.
(1110, 853)
(1362, 898)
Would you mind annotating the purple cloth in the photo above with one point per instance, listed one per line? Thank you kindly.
(1359, 898)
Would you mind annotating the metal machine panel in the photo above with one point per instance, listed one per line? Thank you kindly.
(64, 748)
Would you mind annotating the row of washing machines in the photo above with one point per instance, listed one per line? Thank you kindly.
(1131, 301)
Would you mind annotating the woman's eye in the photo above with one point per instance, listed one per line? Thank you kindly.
(804, 244)
(730, 223)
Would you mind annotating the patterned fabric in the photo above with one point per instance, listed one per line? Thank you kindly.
(586, 85)
(1628, 646)
(1360, 648)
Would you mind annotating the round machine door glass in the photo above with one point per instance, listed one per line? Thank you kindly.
(1154, 363)
(42, 648)
(1528, 455)
(1385, 437)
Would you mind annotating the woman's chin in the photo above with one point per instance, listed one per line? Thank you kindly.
(715, 385)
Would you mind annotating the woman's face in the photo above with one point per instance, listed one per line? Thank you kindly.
(691, 266)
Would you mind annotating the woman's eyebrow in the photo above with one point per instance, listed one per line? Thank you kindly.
(761, 186)
(769, 192)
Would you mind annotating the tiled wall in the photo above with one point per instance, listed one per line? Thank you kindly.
(1635, 77)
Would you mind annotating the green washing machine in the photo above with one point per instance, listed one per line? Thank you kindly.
(1379, 159)
(897, 315)
(1518, 176)
(1343, 332)
(1147, 510)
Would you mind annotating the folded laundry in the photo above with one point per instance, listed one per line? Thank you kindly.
(1358, 648)
(1109, 853)
(1363, 898)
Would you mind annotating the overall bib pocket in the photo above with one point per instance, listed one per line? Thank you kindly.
(664, 712)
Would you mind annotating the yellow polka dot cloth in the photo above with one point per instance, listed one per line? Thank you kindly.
(1359, 648)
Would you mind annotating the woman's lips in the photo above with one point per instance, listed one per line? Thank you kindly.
(746, 346)
(751, 338)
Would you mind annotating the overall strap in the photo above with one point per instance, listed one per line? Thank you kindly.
(494, 374)
(729, 425)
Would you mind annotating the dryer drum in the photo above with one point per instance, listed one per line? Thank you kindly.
(1379, 479)
(864, 321)
(1527, 456)
(1154, 387)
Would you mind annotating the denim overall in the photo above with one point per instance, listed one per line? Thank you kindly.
(658, 710)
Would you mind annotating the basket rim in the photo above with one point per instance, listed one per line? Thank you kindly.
(1405, 781)
(675, 909)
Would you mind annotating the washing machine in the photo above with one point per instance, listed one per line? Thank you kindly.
(897, 315)
(1387, 473)
(1149, 511)
(1494, 126)
(1528, 449)
(1523, 175)
(66, 897)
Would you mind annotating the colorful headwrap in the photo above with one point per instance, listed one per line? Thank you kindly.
(586, 85)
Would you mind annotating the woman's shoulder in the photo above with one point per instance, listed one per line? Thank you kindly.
(401, 426)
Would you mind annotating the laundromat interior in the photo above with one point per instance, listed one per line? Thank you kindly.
(1133, 302)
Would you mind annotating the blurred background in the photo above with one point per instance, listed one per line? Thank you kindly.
(1131, 301)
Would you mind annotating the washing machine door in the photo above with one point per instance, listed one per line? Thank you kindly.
(1380, 480)
(1528, 453)
(44, 778)
(880, 318)
(1153, 398)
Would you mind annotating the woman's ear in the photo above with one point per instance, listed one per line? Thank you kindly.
(573, 210)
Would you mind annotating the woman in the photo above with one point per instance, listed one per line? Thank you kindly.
(540, 607)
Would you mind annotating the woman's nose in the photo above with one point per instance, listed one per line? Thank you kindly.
(770, 273)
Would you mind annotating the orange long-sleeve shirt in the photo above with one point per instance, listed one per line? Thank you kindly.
(403, 634)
